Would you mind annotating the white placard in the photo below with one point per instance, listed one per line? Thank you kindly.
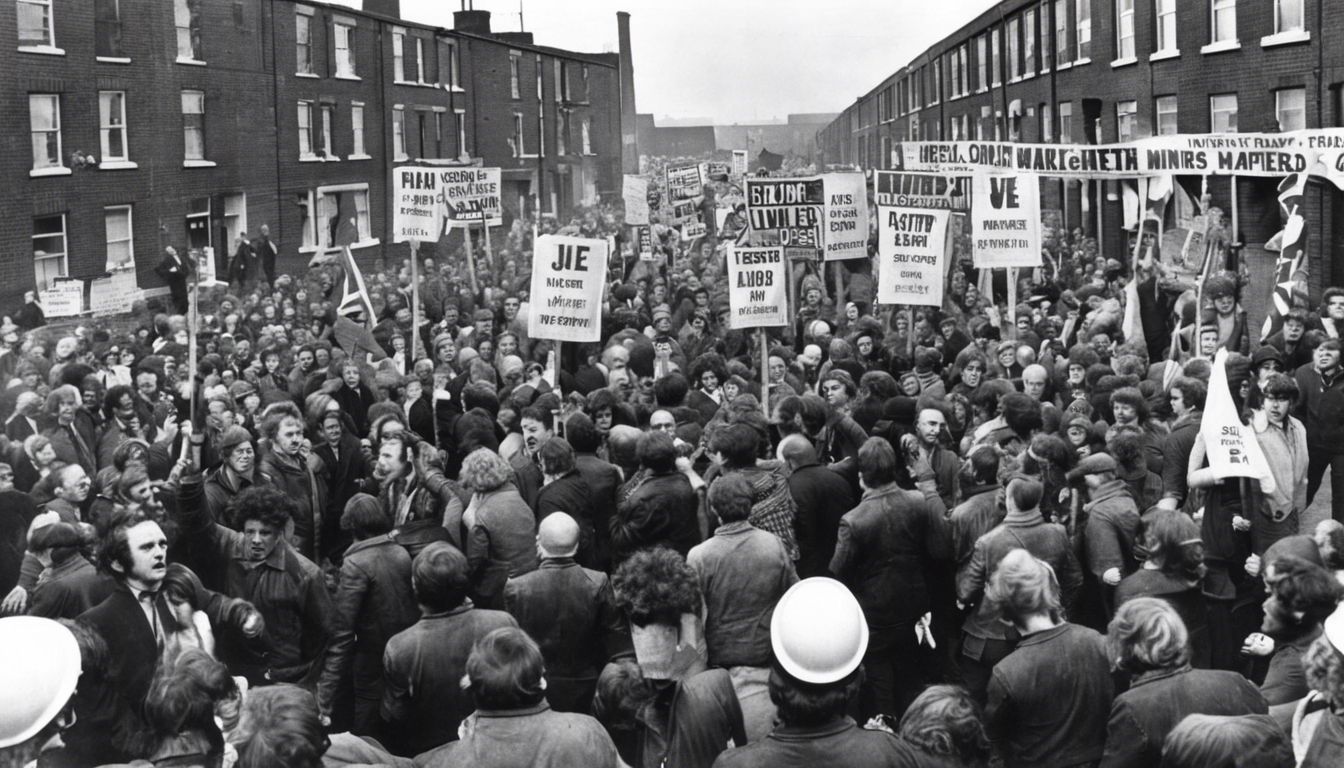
(739, 162)
(1006, 221)
(416, 196)
(568, 276)
(757, 287)
(846, 215)
(64, 299)
(471, 195)
(635, 192)
(910, 252)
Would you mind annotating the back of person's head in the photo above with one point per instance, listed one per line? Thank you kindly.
(797, 450)
(440, 577)
(815, 412)
(1124, 443)
(556, 456)
(483, 471)
(730, 498)
(737, 443)
(1173, 543)
(363, 516)
(1022, 413)
(504, 671)
(946, 721)
(480, 394)
(280, 727)
(1221, 741)
(657, 451)
(182, 697)
(1304, 588)
(808, 705)
(621, 693)
(623, 445)
(670, 391)
(1024, 586)
(877, 463)
(983, 463)
(582, 433)
(1025, 492)
(656, 586)
(1147, 634)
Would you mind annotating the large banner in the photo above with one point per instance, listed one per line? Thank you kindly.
(568, 275)
(472, 195)
(922, 190)
(911, 248)
(415, 204)
(757, 287)
(846, 216)
(635, 192)
(1006, 221)
(785, 211)
(1318, 152)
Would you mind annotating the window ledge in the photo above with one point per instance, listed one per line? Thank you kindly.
(117, 165)
(455, 88)
(58, 170)
(198, 164)
(1015, 79)
(1220, 46)
(45, 50)
(190, 62)
(114, 59)
(355, 78)
(1125, 62)
(331, 159)
(359, 157)
(309, 75)
(1170, 53)
(366, 243)
(401, 158)
(1082, 61)
(309, 159)
(1064, 66)
(982, 89)
(1284, 38)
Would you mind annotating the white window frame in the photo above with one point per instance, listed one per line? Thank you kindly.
(307, 132)
(420, 61)
(982, 62)
(399, 55)
(363, 219)
(964, 61)
(1046, 116)
(47, 46)
(119, 58)
(1214, 110)
(1064, 110)
(129, 239)
(1047, 37)
(1284, 35)
(107, 123)
(1126, 120)
(996, 56)
(1161, 113)
(519, 132)
(1014, 48)
(399, 133)
(937, 91)
(561, 129)
(439, 112)
(43, 167)
(194, 55)
(460, 121)
(303, 20)
(343, 33)
(358, 151)
(1164, 30)
(1125, 51)
(1062, 58)
(188, 161)
(1299, 92)
(586, 126)
(516, 74)
(1217, 43)
(454, 68)
(1082, 25)
(1029, 43)
(64, 255)
(327, 113)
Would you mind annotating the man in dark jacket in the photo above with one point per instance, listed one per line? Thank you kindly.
(570, 611)
(1187, 398)
(69, 585)
(423, 701)
(1112, 523)
(661, 509)
(288, 467)
(820, 497)
(236, 472)
(266, 250)
(603, 478)
(174, 270)
(565, 490)
(1321, 409)
(373, 602)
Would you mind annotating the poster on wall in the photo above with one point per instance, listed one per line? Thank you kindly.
(1006, 221)
(911, 251)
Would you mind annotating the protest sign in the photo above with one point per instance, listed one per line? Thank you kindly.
(682, 212)
(846, 216)
(635, 192)
(715, 171)
(112, 295)
(911, 249)
(694, 229)
(469, 195)
(785, 211)
(415, 204)
(64, 299)
(205, 262)
(921, 190)
(568, 275)
(683, 182)
(644, 243)
(1006, 221)
(739, 162)
(1230, 446)
(757, 287)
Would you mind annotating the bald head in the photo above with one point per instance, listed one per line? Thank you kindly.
(558, 535)
(622, 442)
(797, 451)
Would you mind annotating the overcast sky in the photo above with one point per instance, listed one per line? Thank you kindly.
(735, 60)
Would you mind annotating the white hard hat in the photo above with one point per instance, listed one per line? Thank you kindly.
(38, 676)
(818, 631)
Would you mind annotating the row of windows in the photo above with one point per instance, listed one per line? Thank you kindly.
(562, 90)
(50, 255)
(431, 133)
(563, 134)
(44, 119)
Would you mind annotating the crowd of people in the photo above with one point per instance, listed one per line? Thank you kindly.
(899, 537)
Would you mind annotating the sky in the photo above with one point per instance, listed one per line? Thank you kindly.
(735, 60)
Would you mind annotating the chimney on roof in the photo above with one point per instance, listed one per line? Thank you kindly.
(629, 142)
(473, 21)
(390, 8)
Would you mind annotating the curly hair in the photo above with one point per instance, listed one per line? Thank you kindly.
(656, 586)
(483, 471)
(1324, 667)
(264, 503)
(182, 698)
(709, 361)
(944, 720)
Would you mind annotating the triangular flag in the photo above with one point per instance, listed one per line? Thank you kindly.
(1231, 447)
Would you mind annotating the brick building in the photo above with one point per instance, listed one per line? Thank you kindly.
(1099, 71)
(131, 125)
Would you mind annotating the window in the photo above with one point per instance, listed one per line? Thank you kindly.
(1014, 49)
(399, 55)
(307, 130)
(343, 216)
(193, 124)
(438, 132)
(48, 250)
(936, 92)
(112, 125)
(303, 40)
(44, 118)
(187, 19)
(1224, 26)
(1290, 107)
(1125, 113)
(1165, 107)
(449, 64)
(1046, 36)
(35, 29)
(982, 62)
(1223, 113)
(1065, 122)
(1047, 122)
(420, 61)
(884, 105)
(421, 134)
(1289, 16)
(324, 138)
(561, 132)
(587, 128)
(541, 131)
(954, 70)
(1061, 32)
(965, 82)
(515, 64)
(585, 83)
(914, 129)
(996, 56)
(1124, 29)
(516, 142)
(540, 78)
(559, 82)
(1029, 42)
(357, 130)
(345, 50)
(398, 132)
(107, 29)
(1166, 25)
(460, 118)
(1084, 27)
(120, 241)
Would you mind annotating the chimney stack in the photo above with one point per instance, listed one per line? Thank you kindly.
(390, 8)
(629, 145)
(474, 22)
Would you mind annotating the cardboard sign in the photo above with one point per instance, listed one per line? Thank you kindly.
(111, 295)
(785, 211)
(683, 182)
(568, 276)
(683, 212)
(846, 216)
(64, 299)
(911, 250)
(922, 190)
(757, 287)
(635, 192)
(644, 243)
(1006, 221)
(415, 204)
(693, 230)
(739, 162)
(470, 195)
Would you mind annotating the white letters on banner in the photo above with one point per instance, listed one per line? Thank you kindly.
(415, 204)
(1006, 221)
(757, 287)
(846, 216)
(472, 195)
(635, 191)
(568, 275)
(910, 250)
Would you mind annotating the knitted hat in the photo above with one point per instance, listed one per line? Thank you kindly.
(661, 312)
(232, 437)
